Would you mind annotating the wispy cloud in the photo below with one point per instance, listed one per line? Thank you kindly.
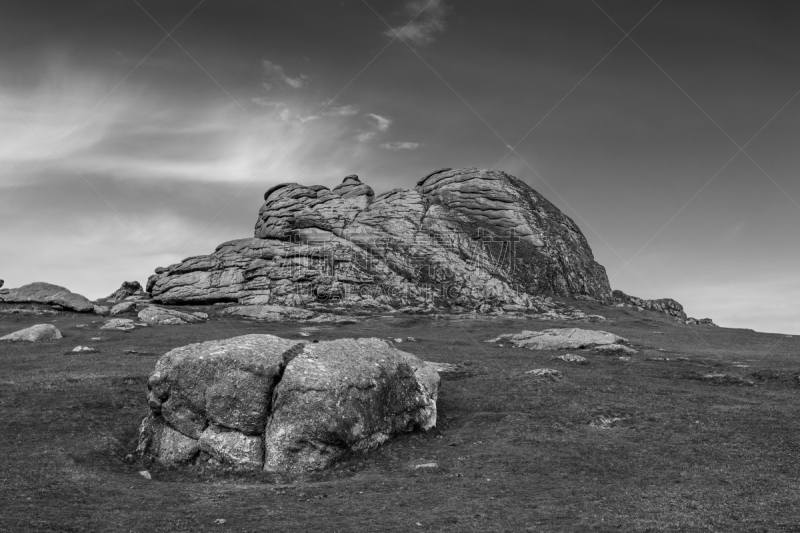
(397, 146)
(378, 122)
(341, 111)
(364, 136)
(422, 29)
(275, 74)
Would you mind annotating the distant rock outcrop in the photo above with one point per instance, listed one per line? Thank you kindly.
(128, 288)
(663, 305)
(471, 238)
(262, 402)
(46, 293)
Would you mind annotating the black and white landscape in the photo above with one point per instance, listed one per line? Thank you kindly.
(399, 265)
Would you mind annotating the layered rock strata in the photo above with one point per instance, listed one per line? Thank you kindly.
(466, 237)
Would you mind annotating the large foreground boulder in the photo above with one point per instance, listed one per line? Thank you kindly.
(37, 333)
(263, 402)
(466, 237)
(46, 293)
(560, 339)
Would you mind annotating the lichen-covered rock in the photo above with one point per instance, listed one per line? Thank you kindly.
(614, 349)
(228, 383)
(472, 238)
(167, 317)
(262, 402)
(37, 333)
(46, 293)
(346, 395)
(559, 339)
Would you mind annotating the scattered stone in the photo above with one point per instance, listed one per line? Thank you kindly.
(426, 465)
(269, 313)
(605, 422)
(398, 340)
(27, 311)
(48, 294)
(128, 288)
(304, 334)
(145, 474)
(83, 349)
(614, 349)
(546, 373)
(625, 358)
(119, 324)
(101, 310)
(82, 325)
(559, 339)
(302, 406)
(124, 307)
(166, 317)
(202, 316)
(595, 318)
(328, 318)
(719, 378)
(96, 339)
(220, 521)
(37, 333)
(572, 358)
(411, 339)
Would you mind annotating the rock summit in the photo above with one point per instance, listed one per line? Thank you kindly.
(469, 237)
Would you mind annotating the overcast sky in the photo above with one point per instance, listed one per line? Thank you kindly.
(164, 148)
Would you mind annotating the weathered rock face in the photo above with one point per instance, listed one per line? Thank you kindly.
(128, 288)
(259, 401)
(46, 293)
(663, 305)
(559, 339)
(168, 317)
(37, 333)
(462, 237)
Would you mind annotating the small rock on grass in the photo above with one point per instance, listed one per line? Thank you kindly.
(83, 349)
(119, 324)
(572, 358)
(546, 373)
(614, 349)
(427, 465)
(145, 474)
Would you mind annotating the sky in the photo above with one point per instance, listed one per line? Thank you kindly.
(135, 134)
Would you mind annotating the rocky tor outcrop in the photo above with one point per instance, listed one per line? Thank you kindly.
(263, 402)
(46, 293)
(468, 237)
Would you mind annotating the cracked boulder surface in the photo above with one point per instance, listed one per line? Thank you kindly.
(467, 237)
(262, 402)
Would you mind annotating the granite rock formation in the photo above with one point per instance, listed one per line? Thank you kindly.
(467, 237)
(263, 402)
(128, 288)
(37, 333)
(559, 339)
(46, 293)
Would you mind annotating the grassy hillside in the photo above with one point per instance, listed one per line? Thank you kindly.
(640, 445)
